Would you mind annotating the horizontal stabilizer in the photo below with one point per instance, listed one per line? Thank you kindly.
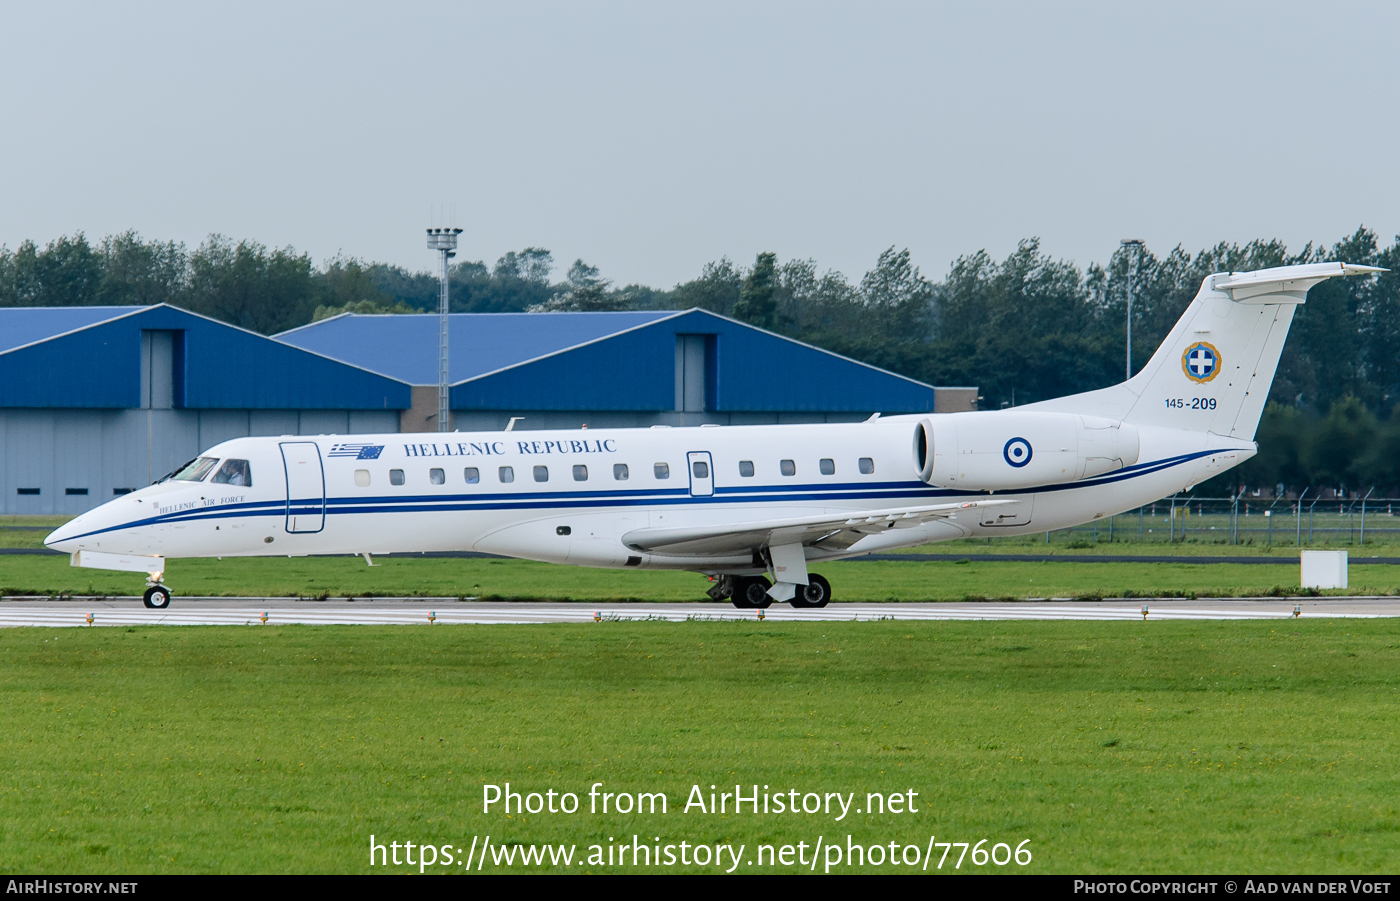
(732, 538)
(1285, 279)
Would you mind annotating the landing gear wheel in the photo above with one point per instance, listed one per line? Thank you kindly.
(816, 593)
(157, 597)
(752, 593)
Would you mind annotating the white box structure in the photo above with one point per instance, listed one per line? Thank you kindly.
(1324, 569)
(131, 563)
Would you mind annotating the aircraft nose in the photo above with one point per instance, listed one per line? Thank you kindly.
(61, 538)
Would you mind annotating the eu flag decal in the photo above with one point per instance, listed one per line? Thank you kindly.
(1201, 362)
(356, 451)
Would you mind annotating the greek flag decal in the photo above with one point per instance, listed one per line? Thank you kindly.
(356, 451)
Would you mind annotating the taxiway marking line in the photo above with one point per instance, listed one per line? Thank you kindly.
(39, 614)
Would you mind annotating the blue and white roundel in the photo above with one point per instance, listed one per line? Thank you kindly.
(1201, 362)
(1017, 452)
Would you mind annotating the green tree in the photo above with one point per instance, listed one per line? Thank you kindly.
(362, 308)
(418, 290)
(519, 281)
(533, 264)
(818, 308)
(69, 272)
(19, 276)
(66, 273)
(897, 296)
(1379, 465)
(717, 288)
(345, 281)
(757, 304)
(584, 290)
(1327, 363)
(1284, 449)
(1340, 444)
(1021, 330)
(249, 286)
(1379, 317)
(137, 272)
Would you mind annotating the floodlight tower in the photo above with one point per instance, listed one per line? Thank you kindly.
(443, 240)
(1134, 247)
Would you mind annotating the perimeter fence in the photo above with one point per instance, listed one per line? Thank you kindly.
(1245, 520)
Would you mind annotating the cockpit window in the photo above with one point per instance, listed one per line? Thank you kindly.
(234, 472)
(196, 470)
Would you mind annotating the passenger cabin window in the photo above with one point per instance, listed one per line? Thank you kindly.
(867, 466)
(437, 477)
(195, 470)
(580, 473)
(362, 478)
(746, 468)
(541, 473)
(506, 473)
(828, 466)
(234, 472)
(620, 471)
(396, 477)
(701, 469)
(472, 475)
(787, 468)
(661, 470)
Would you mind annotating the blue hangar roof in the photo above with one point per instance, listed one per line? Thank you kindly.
(610, 361)
(91, 357)
(404, 346)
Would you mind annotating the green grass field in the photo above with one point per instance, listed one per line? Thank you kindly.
(1113, 747)
(518, 579)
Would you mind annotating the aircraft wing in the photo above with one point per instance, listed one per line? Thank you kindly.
(830, 531)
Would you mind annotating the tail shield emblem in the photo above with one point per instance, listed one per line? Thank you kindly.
(1201, 362)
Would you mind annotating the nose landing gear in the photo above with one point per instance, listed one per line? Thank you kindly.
(157, 596)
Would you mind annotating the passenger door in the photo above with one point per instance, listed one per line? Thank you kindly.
(306, 486)
(702, 474)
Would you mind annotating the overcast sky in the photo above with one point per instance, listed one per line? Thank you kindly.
(650, 138)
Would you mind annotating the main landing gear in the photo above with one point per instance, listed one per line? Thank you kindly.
(816, 593)
(751, 592)
(157, 596)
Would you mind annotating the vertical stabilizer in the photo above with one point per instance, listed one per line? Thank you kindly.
(1214, 370)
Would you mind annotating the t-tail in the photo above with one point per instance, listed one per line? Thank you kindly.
(1214, 370)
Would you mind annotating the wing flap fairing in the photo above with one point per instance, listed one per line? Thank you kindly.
(841, 529)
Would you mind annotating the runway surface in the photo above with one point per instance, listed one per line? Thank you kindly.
(189, 611)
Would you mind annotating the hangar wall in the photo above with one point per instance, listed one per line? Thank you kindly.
(96, 401)
(67, 461)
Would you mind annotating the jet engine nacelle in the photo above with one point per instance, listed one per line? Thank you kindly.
(1009, 450)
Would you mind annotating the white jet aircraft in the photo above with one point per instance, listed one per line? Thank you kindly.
(741, 504)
